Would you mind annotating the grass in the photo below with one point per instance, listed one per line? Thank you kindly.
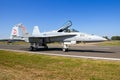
(110, 43)
(24, 66)
(14, 43)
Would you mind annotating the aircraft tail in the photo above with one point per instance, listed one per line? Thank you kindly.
(17, 34)
(14, 33)
(24, 32)
(36, 31)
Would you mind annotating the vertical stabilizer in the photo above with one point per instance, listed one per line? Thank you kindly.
(35, 31)
(14, 33)
(19, 32)
(25, 33)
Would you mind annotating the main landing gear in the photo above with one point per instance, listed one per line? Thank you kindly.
(31, 48)
(35, 46)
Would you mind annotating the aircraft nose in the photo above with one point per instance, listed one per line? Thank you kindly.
(104, 39)
(100, 38)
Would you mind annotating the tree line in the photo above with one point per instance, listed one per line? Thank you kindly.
(115, 38)
(112, 38)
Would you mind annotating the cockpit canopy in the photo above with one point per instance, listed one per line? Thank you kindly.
(66, 27)
(70, 30)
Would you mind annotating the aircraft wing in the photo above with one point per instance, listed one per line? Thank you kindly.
(50, 38)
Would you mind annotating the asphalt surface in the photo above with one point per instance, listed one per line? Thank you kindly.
(90, 50)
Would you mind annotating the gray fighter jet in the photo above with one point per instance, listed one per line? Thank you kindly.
(64, 35)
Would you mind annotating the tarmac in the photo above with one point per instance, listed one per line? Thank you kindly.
(82, 51)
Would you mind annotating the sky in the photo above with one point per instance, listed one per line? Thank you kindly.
(99, 17)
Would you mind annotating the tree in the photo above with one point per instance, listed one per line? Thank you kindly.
(115, 38)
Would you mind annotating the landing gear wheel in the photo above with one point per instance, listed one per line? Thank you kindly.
(46, 47)
(36, 49)
(65, 50)
(31, 48)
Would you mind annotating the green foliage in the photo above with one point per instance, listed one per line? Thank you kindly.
(24, 66)
(14, 43)
(115, 38)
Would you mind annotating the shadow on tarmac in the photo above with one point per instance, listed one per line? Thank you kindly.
(72, 50)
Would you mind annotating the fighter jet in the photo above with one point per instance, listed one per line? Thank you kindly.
(64, 35)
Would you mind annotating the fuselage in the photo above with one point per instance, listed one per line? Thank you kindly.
(70, 36)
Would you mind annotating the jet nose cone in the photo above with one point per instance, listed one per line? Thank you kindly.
(102, 39)
(98, 38)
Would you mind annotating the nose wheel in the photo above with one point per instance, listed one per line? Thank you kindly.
(65, 50)
(65, 47)
(36, 46)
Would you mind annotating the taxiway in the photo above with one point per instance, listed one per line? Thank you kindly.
(94, 51)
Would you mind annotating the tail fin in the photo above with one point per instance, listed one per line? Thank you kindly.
(36, 31)
(23, 30)
(21, 35)
(14, 33)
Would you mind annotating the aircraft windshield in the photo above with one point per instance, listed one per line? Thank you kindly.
(70, 30)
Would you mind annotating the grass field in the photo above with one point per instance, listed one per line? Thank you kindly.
(14, 43)
(110, 43)
(24, 66)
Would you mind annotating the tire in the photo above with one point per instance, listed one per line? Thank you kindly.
(65, 50)
(46, 47)
(31, 48)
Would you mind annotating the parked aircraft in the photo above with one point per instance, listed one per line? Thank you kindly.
(64, 35)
